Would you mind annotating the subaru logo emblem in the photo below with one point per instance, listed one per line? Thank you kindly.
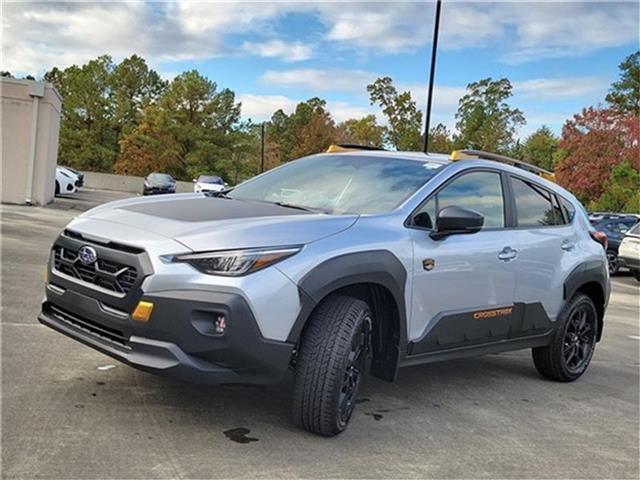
(87, 255)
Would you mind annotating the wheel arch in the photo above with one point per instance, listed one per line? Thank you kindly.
(376, 277)
(590, 279)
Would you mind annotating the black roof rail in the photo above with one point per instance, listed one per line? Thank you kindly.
(467, 153)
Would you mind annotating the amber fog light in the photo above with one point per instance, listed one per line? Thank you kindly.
(142, 313)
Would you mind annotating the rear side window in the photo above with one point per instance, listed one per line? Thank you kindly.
(568, 209)
(535, 206)
(479, 191)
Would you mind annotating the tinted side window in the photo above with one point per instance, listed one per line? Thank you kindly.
(479, 191)
(534, 205)
(568, 209)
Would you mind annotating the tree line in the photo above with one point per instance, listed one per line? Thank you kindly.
(124, 118)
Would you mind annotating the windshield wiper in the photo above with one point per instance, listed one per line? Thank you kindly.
(219, 194)
(300, 207)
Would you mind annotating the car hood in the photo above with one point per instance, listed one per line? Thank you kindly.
(210, 223)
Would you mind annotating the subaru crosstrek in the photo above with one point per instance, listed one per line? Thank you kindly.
(333, 266)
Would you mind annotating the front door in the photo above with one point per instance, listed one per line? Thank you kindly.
(463, 285)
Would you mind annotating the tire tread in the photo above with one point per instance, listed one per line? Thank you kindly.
(320, 362)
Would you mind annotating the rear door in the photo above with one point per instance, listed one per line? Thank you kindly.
(463, 285)
(547, 246)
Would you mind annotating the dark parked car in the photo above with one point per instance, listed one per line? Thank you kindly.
(615, 226)
(156, 183)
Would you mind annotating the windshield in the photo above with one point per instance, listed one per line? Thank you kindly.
(635, 230)
(160, 178)
(209, 179)
(340, 183)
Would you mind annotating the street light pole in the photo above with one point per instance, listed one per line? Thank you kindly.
(262, 148)
(434, 50)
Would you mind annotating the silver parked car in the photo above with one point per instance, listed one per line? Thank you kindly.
(333, 266)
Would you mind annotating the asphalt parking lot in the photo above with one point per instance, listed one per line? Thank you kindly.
(71, 412)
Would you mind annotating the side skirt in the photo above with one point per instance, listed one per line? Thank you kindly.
(459, 334)
(477, 350)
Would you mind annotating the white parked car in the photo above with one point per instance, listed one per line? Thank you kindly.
(65, 181)
(208, 183)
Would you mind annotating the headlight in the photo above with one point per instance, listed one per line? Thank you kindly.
(65, 174)
(234, 263)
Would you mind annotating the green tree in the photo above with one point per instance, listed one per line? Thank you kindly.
(485, 121)
(363, 131)
(440, 139)
(309, 129)
(403, 116)
(624, 95)
(134, 86)
(540, 148)
(100, 101)
(188, 131)
(87, 138)
(621, 191)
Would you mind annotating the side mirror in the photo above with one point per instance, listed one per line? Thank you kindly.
(456, 221)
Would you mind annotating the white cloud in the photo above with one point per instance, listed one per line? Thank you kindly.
(261, 107)
(288, 51)
(341, 111)
(523, 31)
(560, 88)
(37, 36)
(321, 80)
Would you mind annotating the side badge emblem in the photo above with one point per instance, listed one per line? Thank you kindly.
(428, 264)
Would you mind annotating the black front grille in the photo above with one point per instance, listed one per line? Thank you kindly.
(113, 276)
(103, 332)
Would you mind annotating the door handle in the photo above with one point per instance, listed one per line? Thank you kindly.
(507, 254)
(567, 245)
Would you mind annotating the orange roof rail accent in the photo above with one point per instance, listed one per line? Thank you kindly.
(481, 155)
(336, 148)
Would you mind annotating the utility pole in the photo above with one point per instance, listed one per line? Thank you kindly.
(434, 50)
(262, 148)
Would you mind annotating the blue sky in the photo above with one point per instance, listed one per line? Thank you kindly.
(560, 56)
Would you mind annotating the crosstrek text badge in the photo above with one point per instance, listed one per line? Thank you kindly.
(87, 255)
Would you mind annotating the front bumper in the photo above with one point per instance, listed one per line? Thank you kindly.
(157, 190)
(632, 263)
(179, 340)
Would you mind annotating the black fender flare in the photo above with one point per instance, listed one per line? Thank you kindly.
(588, 272)
(375, 266)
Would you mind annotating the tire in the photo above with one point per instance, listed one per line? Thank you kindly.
(332, 359)
(57, 188)
(612, 261)
(636, 274)
(574, 342)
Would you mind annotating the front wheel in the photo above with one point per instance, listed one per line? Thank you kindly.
(332, 359)
(574, 341)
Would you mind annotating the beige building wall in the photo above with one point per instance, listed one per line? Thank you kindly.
(17, 112)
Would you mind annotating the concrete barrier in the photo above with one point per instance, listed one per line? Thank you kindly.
(124, 183)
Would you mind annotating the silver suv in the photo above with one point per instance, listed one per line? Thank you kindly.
(333, 266)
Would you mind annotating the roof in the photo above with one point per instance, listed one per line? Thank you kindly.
(419, 156)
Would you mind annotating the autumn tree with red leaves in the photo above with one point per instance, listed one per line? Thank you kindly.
(593, 143)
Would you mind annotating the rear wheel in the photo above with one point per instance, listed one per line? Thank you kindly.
(574, 341)
(57, 188)
(614, 264)
(636, 274)
(332, 359)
